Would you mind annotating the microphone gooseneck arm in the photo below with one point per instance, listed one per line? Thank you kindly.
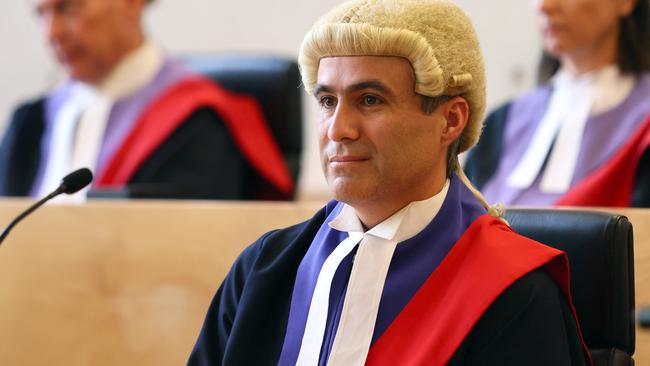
(31, 209)
(70, 184)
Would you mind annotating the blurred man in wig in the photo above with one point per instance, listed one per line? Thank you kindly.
(142, 121)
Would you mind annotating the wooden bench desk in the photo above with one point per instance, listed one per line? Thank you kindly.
(128, 283)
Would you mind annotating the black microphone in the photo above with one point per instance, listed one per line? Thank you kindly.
(70, 184)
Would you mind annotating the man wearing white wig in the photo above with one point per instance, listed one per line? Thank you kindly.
(408, 265)
(144, 122)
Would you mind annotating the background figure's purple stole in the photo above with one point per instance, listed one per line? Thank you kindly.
(413, 262)
(605, 133)
(124, 114)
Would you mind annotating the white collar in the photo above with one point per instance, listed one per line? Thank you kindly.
(402, 225)
(606, 86)
(559, 134)
(132, 72)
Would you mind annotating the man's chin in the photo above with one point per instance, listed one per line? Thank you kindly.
(349, 192)
(79, 74)
(554, 48)
(75, 74)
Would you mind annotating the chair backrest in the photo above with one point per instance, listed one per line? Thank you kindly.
(274, 82)
(600, 251)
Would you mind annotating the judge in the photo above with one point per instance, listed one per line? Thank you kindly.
(139, 119)
(408, 265)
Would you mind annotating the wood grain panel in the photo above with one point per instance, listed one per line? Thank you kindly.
(128, 283)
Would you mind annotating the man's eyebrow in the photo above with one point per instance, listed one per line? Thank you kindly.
(320, 88)
(369, 84)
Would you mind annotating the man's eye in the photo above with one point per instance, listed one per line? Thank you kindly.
(370, 100)
(327, 102)
(68, 7)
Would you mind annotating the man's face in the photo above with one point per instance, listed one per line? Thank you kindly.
(579, 27)
(376, 144)
(88, 37)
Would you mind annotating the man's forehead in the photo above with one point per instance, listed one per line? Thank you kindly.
(347, 70)
(48, 4)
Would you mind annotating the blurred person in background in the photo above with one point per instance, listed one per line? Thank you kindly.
(582, 137)
(142, 121)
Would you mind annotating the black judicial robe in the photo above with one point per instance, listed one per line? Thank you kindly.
(528, 324)
(165, 174)
(195, 140)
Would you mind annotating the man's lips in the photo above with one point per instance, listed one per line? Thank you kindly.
(346, 159)
(551, 28)
(66, 54)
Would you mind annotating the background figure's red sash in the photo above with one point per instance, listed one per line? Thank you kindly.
(612, 184)
(486, 260)
(243, 118)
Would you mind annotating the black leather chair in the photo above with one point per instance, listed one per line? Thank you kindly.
(275, 83)
(600, 250)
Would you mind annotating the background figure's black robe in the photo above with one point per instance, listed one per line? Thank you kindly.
(198, 160)
(529, 324)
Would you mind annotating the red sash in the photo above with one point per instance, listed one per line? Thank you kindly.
(243, 118)
(612, 184)
(486, 260)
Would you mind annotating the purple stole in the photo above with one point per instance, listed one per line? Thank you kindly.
(604, 136)
(122, 117)
(619, 172)
(413, 262)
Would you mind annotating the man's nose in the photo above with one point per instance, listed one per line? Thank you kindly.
(544, 6)
(344, 124)
(53, 26)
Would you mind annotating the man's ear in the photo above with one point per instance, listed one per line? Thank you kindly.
(456, 113)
